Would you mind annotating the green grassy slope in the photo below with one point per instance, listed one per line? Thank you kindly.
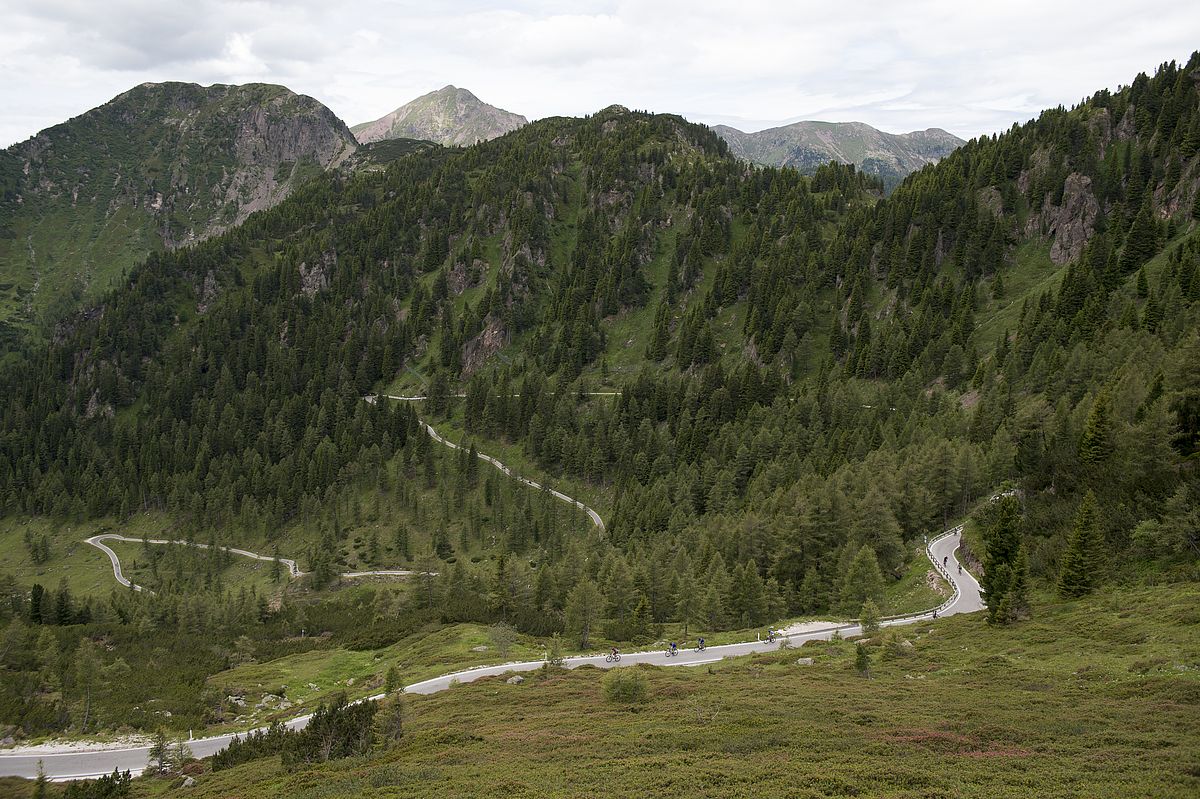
(1089, 699)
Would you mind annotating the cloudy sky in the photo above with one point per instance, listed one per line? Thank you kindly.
(969, 67)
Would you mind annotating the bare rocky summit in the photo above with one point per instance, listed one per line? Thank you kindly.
(449, 116)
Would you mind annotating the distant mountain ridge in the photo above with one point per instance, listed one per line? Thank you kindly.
(157, 167)
(807, 145)
(449, 116)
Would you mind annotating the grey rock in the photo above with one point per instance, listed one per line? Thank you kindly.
(805, 662)
(449, 116)
(1073, 222)
(516, 679)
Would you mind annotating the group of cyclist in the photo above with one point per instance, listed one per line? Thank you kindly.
(673, 648)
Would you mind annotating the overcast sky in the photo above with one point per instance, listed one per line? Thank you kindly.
(967, 66)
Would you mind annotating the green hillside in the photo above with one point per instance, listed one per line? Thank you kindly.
(772, 387)
(1073, 703)
(158, 167)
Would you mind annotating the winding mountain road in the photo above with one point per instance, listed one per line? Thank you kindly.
(294, 570)
(595, 517)
(591, 513)
(94, 760)
(98, 542)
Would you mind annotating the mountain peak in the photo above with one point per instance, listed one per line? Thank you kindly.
(807, 144)
(451, 116)
(175, 162)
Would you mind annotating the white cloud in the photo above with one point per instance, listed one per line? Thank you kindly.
(968, 67)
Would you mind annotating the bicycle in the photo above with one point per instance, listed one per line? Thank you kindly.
(700, 647)
(611, 658)
(672, 653)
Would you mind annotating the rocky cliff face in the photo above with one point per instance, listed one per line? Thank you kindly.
(807, 145)
(450, 116)
(1070, 224)
(160, 166)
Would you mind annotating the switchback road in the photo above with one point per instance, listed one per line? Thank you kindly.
(98, 542)
(94, 760)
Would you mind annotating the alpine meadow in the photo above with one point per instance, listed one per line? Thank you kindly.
(406, 467)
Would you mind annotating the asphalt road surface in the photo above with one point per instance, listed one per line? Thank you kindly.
(98, 542)
(94, 760)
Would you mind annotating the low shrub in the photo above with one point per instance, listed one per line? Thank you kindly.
(624, 686)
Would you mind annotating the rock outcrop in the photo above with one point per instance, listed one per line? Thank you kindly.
(160, 166)
(1072, 223)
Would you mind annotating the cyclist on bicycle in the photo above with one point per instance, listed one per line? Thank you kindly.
(674, 648)
(615, 654)
(700, 644)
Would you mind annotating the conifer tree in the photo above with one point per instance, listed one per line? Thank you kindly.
(39, 784)
(862, 660)
(869, 617)
(159, 761)
(1142, 240)
(863, 580)
(1081, 566)
(1096, 444)
(584, 606)
(391, 680)
(641, 625)
(687, 601)
(1015, 604)
(1002, 538)
(712, 609)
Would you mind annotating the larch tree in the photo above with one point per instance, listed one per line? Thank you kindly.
(863, 580)
(585, 603)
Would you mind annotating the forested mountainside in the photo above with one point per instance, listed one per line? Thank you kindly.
(811, 376)
(806, 145)
(157, 167)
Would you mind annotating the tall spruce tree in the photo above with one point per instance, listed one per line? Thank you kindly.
(1002, 538)
(1081, 566)
(1142, 240)
(1096, 443)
